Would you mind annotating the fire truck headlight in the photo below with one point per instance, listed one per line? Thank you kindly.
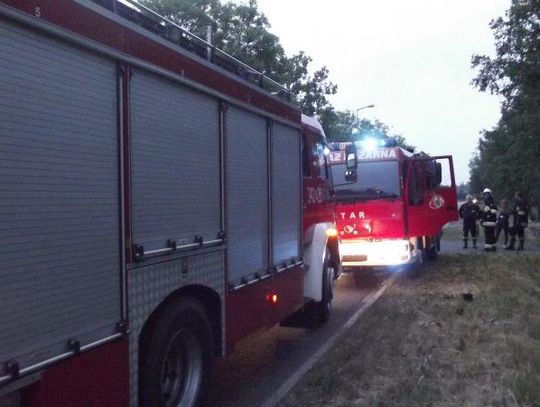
(396, 252)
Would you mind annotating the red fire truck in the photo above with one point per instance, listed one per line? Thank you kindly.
(151, 206)
(391, 203)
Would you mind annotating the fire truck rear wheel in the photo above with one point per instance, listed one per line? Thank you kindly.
(324, 307)
(177, 361)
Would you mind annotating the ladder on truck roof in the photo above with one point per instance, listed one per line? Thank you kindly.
(150, 20)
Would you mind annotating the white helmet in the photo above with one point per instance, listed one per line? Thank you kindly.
(487, 191)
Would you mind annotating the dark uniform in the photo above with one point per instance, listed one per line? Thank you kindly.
(503, 224)
(470, 213)
(489, 222)
(519, 220)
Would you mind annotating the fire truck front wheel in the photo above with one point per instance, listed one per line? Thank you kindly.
(177, 358)
(433, 251)
(416, 269)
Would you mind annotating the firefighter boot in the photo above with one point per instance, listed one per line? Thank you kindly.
(465, 242)
(510, 246)
(521, 244)
(474, 244)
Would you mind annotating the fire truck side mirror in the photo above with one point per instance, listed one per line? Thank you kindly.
(351, 175)
(351, 162)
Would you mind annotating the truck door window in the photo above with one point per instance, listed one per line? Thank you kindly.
(431, 175)
(319, 161)
(403, 178)
(376, 180)
(416, 184)
(445, 173)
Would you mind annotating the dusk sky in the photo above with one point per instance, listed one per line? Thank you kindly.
(411, 59)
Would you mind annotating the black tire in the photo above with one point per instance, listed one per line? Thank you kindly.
(433, 251)
(323, 308)
(177, 356)
(417, 269)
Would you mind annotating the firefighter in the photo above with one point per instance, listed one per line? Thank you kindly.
(519, 220)
(489, 220)
(502, 222)
(470, 213)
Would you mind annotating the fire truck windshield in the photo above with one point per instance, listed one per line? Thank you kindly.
(376, 180)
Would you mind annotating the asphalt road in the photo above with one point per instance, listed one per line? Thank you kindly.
(265, 361)
(262, 363)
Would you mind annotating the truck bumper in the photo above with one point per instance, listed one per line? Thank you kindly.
(371, 252)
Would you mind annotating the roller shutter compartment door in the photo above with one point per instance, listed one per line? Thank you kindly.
(59, 197)
(286, 194)
(247, 193)
(175, 163)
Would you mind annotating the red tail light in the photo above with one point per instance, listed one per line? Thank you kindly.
(272, 298)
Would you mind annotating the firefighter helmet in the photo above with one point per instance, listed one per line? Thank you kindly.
(487, 191)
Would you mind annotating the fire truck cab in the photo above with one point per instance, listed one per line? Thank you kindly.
(391, 204)
(321, 247)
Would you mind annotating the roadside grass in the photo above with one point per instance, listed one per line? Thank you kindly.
(453, 231)
(425, 343)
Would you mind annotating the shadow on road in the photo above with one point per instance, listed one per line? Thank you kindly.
(369, 279)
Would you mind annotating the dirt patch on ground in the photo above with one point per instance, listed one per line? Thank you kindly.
(466, 333)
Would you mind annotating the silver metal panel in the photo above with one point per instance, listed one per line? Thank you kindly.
(104, 50)
(286, 190)
(150, 285)
(175, 163)
(247, 194)
(59, 197)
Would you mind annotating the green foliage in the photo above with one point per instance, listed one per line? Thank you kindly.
(506, 156)
(242, 31)
(344, 126)
(462, 191)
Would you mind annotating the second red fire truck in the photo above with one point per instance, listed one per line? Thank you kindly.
(391, 203)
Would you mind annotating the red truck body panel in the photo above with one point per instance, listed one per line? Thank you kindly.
(371, 219)
(317, 203)
(100, 377)
(249, 310)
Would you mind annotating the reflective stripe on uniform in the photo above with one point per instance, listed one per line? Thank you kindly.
(489, 224)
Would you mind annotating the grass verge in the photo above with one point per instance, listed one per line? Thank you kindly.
(425, 343)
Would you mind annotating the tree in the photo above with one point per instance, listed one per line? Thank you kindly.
(462, 191)
(505, 156)
(242, 31)
(345, 126)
